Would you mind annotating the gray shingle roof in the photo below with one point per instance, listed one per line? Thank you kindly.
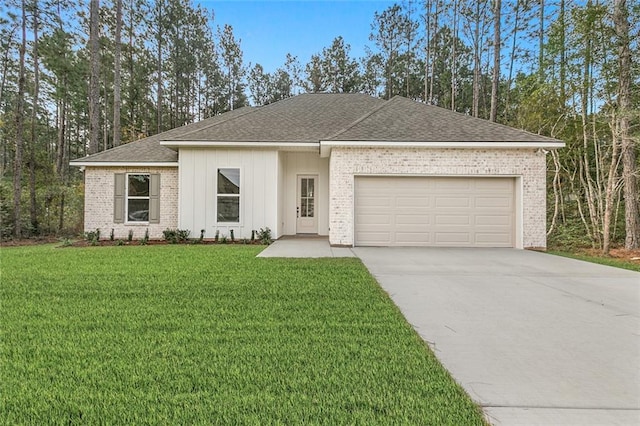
(323, 117)
(403, 120)
(149, 150)
(303, 118)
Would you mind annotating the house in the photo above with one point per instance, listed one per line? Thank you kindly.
(358, 169)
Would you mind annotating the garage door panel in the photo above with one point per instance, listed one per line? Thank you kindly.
(462, 185)
(434, 211)
(412, 238)
(492, 202)
(490, 239)
(374, 238)
(449, 238)
(374, 202)
(413, 219)
(499, 220)
(374, 219)
(452, 220)
(412, 202)
(449, 202)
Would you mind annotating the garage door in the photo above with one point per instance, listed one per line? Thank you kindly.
(434, 211)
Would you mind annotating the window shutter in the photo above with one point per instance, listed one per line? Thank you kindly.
(119, 197)
(154, 198)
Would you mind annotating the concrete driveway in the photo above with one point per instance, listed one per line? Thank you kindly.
(533, 338)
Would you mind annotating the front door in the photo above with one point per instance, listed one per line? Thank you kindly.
(307, 219)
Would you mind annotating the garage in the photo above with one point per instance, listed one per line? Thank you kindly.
(435, 211)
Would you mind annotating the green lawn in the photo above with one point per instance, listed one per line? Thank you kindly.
(609, 261)
(209, 334)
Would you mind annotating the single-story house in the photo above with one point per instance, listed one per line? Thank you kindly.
(358, 169)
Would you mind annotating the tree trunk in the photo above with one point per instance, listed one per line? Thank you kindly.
(94, 77)
(610, 188)
(541, 44)
(117, 134)
(33, 210)
(453, 55)
(159, 61)
(629, 163)
(495, 82)
(17, 162)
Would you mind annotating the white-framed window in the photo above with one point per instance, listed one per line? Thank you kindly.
(228, 195)
(137, 197)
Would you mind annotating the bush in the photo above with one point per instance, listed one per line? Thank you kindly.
(264, 236)
(174, 236)
(93, 237)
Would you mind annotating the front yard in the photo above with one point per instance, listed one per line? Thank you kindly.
(209, 334)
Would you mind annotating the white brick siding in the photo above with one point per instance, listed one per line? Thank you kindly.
(99, 198)
(526, 164)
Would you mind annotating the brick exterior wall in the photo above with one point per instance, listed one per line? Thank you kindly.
(99, 199)
(524, 163)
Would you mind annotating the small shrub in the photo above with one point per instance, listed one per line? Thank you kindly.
(253, 235)
(264, 236)
(183, 235)
(223, 239)
(174, 236)
(93, 237)
(233, 238)
(202, 234)
(111, 235)
(170, 235)
(66, 242)
(130, 236)
(145, 240)
(217, 236)
(120, 242)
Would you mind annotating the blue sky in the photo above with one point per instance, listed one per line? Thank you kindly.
(271, 29)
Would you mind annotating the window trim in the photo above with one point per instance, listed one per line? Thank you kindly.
(127, 197)
(238, 195)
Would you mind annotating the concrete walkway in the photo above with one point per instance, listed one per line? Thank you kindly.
(534, 338)
(302, 246)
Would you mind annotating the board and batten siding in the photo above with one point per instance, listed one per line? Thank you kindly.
(198, 188)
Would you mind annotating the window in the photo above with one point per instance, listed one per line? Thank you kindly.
(138, 197)
(228, 196)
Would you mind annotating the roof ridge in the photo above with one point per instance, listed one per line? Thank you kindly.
(249, 109)
(361, 119)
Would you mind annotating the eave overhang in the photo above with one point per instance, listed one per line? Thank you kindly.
(80, 163)
(310, 146)
(326, 146)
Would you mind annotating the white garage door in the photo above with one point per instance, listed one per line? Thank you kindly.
(434, 211)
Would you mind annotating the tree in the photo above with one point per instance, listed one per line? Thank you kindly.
(629, 161)
(258, 83)
(94, 77)
(341, 71)
(392, 31)
(19, 120)
(495, 81)
(117, 134)
(231, 54)
(315, 81)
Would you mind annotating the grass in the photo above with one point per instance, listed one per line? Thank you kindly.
(209, 334)
(602, 260)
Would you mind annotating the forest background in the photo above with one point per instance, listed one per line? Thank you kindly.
(78, 77)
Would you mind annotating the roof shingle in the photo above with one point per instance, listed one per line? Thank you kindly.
(322, 117)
